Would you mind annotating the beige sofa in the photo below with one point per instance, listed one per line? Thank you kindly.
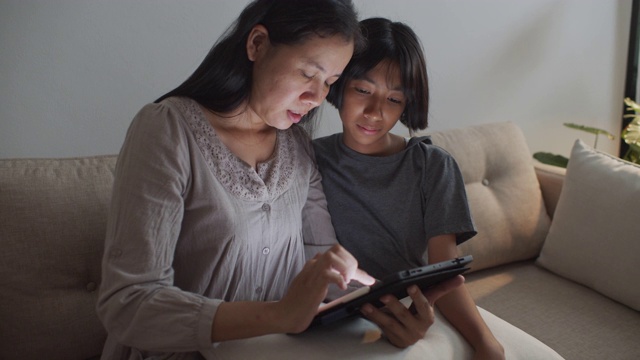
(52, 226)
(559, 280)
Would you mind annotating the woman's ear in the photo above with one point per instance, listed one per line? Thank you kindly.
(257, 42)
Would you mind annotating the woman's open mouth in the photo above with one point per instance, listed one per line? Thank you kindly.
(294, 117)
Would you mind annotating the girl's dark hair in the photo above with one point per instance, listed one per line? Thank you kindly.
(223, 80)
(396, 42)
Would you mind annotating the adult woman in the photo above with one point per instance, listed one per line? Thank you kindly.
(214, 186)
(391, 198)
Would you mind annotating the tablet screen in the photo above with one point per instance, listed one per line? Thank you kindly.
(395, 284)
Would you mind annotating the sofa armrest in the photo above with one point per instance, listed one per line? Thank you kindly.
(551, 179)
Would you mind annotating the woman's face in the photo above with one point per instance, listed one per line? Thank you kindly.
(290, 80)
(371, 106)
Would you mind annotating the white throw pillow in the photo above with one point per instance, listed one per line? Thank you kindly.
(594, 238)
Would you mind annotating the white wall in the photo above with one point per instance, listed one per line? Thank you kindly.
(74, 72)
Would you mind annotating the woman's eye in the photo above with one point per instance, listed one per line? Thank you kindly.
(307, 76)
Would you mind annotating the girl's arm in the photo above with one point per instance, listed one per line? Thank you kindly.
(460, 309)
(404, 327)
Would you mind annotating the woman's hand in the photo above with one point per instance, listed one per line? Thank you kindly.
(309, 288)
(404, 327)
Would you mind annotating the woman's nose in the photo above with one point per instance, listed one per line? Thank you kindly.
(315, 94)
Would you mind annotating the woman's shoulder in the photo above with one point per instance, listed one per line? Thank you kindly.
(161, 122)
(299, 138)
(298, 132)
(170, 108)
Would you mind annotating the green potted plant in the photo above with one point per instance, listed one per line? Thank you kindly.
(630, 135)
(561, 161)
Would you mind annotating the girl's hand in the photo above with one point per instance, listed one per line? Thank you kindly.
(309, 288)
(404, 327)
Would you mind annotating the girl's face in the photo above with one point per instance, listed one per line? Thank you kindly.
(290, 80)
(371, 106)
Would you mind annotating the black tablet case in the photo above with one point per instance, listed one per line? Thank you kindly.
(396, 284)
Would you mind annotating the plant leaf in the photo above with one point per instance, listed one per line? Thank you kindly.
(591, 130)
(633, 154)
(551, 159)
(632, 104)
(631, 134)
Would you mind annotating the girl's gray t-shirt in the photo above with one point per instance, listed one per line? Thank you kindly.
(384, 209)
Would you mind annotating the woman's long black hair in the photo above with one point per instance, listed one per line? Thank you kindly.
(222, 82)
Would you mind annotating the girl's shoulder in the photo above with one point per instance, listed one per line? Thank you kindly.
(423, 146)
(326, 142)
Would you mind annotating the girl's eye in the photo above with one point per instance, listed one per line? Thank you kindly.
(361, 91)
(395, 101)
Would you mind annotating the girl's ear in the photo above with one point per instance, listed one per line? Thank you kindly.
(257, 42)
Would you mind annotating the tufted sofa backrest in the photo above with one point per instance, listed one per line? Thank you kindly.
(503, 191)
(53, 216)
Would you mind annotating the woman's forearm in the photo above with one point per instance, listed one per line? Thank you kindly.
(245, 319)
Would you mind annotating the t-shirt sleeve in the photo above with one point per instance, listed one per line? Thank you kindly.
(138, 302)
(446, 206)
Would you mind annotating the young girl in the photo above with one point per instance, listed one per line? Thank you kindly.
(215, 186)
(392, 199)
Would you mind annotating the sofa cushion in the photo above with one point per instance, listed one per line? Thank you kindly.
(593, 239)
(503, 191)
(356, 339)
(52, 226)
(575, 321)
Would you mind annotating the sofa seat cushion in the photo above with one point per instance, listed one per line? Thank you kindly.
(52, 225)
(503, 192)
(595, 236)
(358, 339)
(575, 321)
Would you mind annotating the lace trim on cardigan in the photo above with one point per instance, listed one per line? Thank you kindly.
(273, 176)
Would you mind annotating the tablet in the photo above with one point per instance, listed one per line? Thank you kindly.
(395, 284)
